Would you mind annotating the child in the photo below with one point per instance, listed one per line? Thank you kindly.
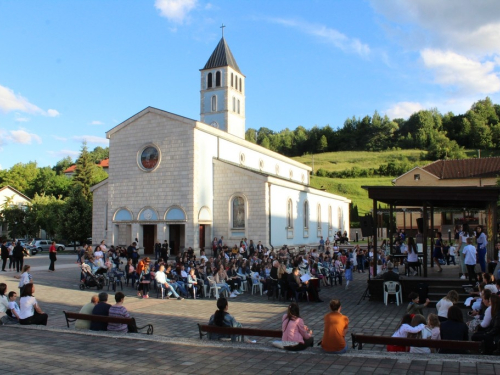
(403, 330)
(434, 325)
(451, 255)
(14, 308)
(348, 274)
(25, 278)
(414, 307)
(425, 333)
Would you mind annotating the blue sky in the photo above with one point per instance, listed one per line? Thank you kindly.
(71, 70)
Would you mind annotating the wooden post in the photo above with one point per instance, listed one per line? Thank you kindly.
(491, 230)
(391, 225)
(432, 236)
(375, 221)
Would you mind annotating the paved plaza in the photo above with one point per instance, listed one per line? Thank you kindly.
(175, 346)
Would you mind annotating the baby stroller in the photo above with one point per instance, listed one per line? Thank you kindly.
(90, 280)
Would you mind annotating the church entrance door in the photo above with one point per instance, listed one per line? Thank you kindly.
(202, 236)
(176, 232)
(148, 238)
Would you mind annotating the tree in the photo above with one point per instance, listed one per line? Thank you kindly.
(87, 173)
(322, 144)
(47, 212)
(18, 221)
(77, 210)
(251, 135)
(21, 176)
(99, 154)
(62, 165)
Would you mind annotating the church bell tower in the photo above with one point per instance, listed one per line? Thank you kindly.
(223, 92)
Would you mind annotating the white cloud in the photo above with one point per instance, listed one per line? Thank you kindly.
(62, 139)
(403, 110)
(10, 101)
(21, 119)
(467, 27)
(96, 122)
(175, 10)
(23, 137)
(466, 75)
(52, 113)
(91, 139)
(332, 36)
(64, 153)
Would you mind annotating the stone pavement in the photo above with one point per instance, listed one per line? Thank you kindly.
(176, 320)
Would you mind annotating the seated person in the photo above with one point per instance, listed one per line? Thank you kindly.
(31, 313)
(161, 279)
(454, 329)
(119, 311)
(13, 312)
(390, 275)
(86, 309)
(297, 286)
(414, 307)
(336, 326)
(102, 308)
(295, 330)
(193, 282)
(221, 318)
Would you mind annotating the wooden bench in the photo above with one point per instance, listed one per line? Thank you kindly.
(359, 340)
(238, 331)
(72, 317)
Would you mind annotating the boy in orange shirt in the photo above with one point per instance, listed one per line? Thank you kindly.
(336, 326)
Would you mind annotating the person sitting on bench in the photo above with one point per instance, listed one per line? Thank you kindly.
(102, 308)
(221, 318)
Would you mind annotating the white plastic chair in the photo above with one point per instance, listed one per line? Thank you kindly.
(243, 282)
(256, 284)
(393, 287)
(213, 287)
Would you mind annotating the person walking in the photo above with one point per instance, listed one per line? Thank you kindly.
(52, 256)
(5, 255)
(18, 254)
(470, 260)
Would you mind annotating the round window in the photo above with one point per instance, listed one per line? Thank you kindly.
(261, 164)
(149, 158)
(242, 158)
(277, 168)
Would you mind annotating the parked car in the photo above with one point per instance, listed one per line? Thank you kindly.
(44, 245)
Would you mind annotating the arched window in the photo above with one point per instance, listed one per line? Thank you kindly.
(319, 216)
(306, 214)
(214, 103)
(217, 79)
(209, 80)
(232, 85)
(241, 87)
(330, 218)
(236, 82)
(289, 214)
(234, 104)
(238, 106)
(238, 212)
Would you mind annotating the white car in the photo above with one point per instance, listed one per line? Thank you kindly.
(42, 245)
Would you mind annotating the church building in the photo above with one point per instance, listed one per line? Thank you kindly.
(187, 181)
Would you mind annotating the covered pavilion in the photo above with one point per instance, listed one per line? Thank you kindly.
(430, 198)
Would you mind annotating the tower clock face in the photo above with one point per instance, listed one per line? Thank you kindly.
(215, 124)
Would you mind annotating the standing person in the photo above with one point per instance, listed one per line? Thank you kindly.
(469, 255)
(348, 274)
(482, 241)
(4, 255)
(52, 256)
(451, 255)
(412, 257)
(18, 254)
(295, 330)
(157, 250)
(164, 251)
(336, 326)
(438, 251)
(462, 242)
(31, 313)
(11, 255)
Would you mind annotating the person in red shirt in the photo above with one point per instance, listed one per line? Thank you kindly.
(336, 326)
(52, 256)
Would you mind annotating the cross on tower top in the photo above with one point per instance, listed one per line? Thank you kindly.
(222, 27)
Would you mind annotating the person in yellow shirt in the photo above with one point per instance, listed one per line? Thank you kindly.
(336, 326)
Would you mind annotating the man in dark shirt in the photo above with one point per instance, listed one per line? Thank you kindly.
(102, 308)
(5, 255)
(390, 275)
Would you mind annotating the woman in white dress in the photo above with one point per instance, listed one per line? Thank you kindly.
(462, 242)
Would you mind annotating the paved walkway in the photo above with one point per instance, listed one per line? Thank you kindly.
(176, 320)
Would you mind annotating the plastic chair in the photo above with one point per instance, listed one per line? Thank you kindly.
(213, 287)
(393, 287)
(243, 282)
(256, 284)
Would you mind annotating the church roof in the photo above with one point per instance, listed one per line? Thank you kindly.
(222, 56)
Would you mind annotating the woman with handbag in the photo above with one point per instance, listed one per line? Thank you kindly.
(294, 330)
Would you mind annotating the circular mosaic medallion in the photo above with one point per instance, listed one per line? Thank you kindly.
(149, 157)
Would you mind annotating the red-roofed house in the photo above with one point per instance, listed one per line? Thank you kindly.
(456, 172)
(70, 171)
